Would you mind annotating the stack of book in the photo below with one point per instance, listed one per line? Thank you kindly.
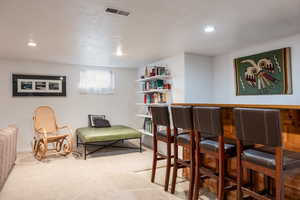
(155, 98)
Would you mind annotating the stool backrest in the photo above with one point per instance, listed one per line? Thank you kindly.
(182, 117)
(258, 126)
(160, 115)
(207, 120)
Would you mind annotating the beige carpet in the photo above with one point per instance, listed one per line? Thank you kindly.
(116, 174)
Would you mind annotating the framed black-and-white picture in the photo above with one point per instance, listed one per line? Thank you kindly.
(38, 85)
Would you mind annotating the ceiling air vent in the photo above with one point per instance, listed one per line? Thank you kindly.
(116, 11)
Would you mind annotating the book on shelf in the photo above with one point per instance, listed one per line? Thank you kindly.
(155, 98)
(147, 125)
(153, 84)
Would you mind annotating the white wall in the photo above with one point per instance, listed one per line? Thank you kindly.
(119, 108)
(224, 82)
(191, 77)
(198, 78)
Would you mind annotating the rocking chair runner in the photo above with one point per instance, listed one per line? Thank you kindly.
(47, 131)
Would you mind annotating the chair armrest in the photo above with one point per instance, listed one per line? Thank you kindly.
(65, 127)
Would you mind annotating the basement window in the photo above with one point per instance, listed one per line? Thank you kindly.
(97, 82)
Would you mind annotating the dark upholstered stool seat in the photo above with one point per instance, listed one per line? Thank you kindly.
(163, 133)
(266, 157)
(209, 144)
(214, 146)
(184, 138)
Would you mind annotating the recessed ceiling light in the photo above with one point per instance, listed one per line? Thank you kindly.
(119, 51)
(31, 43)
(209, 29)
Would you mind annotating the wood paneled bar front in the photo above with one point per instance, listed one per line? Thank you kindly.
(290, 118)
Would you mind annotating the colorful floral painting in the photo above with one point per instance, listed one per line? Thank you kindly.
(266, 73)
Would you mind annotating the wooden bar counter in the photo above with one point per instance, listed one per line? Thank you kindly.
(290, 117)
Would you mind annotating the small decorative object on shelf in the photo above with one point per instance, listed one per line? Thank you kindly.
(155, 71)
(155, 86)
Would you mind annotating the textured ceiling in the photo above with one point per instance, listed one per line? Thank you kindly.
(80, 32)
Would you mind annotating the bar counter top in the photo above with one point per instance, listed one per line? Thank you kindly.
(270, 106)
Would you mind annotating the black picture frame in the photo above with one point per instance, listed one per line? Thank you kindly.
(24, 85)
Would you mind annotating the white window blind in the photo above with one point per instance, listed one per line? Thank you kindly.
(97, 82)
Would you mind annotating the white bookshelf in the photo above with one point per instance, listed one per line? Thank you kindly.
(145, 132)
(159, 77)
(144, 106)
(154, 91)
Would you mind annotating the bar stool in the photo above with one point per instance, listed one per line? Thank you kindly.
(263, 127)
(182, 119)
(160, 117)
(210, 141)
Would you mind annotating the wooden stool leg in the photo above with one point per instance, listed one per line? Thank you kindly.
(279, 188)
(217, 172)
(197, 176)
(197, 171)
(267, 184)
(250, 174)
(279, 176)
(154, 162)
(192, 168)
(168, 169)
(192, 180)
(272, 186)
(175, 168)
(221, 161)
(239, 171)
(197, 184)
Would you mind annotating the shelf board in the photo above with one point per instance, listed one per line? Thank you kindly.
(144, 116)
(159, 77)
(144, 132)
(152, 104)
(154, 90)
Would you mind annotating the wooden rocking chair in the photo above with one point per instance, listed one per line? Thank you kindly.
(47, 132)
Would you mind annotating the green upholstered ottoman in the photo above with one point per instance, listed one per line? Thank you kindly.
(93, 136)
